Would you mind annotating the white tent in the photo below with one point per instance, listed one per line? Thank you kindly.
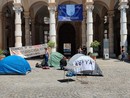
(85, 64)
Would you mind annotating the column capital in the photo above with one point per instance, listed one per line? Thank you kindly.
(123, 1)
(26, 14)
(89, 2)
(123, 5)
(110, 13)
(17, 8)
(89, 7)
(17, 1)
(52, 7)
(51, 1)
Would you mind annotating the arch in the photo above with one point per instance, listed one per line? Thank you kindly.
(27, 4)
(8, 26)
(69, 2)
(2, 4)
(101, 3)
(100, 10)
(67, 34)
(38, 11)
(113, 3)
(8, 6)
(116, 5)
(65, 2)
(40, 25)
(36, 6)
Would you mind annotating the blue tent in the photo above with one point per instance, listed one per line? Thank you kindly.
(14, 65)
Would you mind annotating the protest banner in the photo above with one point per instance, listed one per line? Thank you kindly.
(28, 51)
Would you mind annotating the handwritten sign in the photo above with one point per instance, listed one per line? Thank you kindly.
(84, 63)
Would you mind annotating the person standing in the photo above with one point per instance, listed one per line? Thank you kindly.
(46, 57)
(80, 50)
(122, 53)
(84, 49)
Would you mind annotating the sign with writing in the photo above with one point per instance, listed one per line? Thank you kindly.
(28, 51)
(70, 12)
(84, 63)
(67, 48)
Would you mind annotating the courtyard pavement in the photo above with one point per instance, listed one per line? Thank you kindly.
(41, 83)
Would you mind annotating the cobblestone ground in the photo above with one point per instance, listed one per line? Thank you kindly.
(41, 83)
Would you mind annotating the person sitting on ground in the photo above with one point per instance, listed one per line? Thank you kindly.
(63, 63)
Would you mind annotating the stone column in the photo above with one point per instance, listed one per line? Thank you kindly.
(1, 35)
(123, 23)
(111, 33)
(89, 7)
(27, 29)
(52, 33)
(84, 39)
(18, 32)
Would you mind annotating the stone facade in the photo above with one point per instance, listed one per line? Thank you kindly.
(29, 22)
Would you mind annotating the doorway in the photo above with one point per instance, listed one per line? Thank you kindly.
(67, 37)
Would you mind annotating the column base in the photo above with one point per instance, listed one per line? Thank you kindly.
(18, 45)
(53, 50)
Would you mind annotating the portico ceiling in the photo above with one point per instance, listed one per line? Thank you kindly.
(35, 5)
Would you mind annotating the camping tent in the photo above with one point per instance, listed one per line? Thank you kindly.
(73, 58)
(82, 63)
(85, 64)
(55, 58)
(14, 65)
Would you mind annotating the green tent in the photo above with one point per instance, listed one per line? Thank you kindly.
(55, 58)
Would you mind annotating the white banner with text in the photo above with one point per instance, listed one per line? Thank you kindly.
(28, 51)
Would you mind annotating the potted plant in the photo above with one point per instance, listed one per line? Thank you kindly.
(95, 45)
(51, 44)
(1, 54)
(94, 55)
